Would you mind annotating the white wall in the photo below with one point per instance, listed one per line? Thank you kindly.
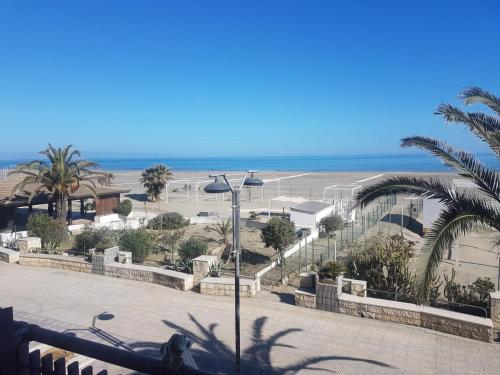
(302, 219)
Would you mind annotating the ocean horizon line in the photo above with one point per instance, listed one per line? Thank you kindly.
(325, 163)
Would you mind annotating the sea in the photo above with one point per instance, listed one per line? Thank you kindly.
(329, 163)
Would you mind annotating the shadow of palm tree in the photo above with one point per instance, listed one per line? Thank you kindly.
(211, 354)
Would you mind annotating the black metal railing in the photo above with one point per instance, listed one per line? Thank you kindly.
(15, 358)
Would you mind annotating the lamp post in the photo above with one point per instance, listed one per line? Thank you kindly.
(224, 186)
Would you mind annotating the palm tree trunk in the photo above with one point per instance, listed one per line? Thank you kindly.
(62, 209)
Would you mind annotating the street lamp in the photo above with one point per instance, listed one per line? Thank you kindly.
(224, 186)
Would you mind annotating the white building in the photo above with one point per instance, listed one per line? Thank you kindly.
(310, 213)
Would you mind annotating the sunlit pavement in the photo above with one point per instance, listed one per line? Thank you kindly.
(276, 337)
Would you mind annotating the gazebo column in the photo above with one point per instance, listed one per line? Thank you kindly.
(30, 209)
(50, 209)
(82, 207)
(70, 212)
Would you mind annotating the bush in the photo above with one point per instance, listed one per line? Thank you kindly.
(139, 242)
(192, 248)
(168, 221)
(52, 232)
(383, 261)
(100, 239)
(475, 294)
(331, 270)
(124, 208)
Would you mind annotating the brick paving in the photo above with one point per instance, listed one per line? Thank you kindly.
(276, 338)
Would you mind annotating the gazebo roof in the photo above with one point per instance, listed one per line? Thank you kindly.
(43, 196)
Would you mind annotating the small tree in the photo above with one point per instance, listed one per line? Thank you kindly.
(279, 233)
(330, 224)
(170, 239)
(192, 248)
(89, 238)
(124, 208)
(329, 272)
(52, 232)
(139, 242)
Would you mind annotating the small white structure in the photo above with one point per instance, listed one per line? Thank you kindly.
(310, 213)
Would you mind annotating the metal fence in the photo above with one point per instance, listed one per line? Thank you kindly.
(380, 217)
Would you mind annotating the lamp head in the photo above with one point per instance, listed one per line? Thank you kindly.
(253, 181)
(217, 187)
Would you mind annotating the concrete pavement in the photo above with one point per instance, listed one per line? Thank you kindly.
(276, 337)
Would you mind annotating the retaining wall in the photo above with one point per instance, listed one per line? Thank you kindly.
(8, 255)
(329, 297)
(224, 286)
(154, 275)
(56, 261)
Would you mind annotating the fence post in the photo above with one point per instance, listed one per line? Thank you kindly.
(328, 246)
(300, 248)
(312, 243)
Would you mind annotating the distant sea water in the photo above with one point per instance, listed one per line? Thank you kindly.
(354, 163)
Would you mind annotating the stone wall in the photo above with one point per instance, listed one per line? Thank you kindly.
(8, 255)
(201, 267)
(29, 244)
(154, 275)
(56, 261)
(99, 261)
(305, 298)
(495, 309)
(224, 286)
(331, 298)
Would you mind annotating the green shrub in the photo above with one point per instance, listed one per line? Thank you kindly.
(330, 224)
(52, 232)
(384, 262)
(475, 294)
(100, 239)
(124, 208)
(192, 248)
(168, 221)
(331, 270)
(137, 241)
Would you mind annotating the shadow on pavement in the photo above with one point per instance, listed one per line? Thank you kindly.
(211, 354)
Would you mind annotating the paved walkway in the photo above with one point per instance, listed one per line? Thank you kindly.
(276, 337)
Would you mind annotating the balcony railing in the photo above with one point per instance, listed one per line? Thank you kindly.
(15, 358)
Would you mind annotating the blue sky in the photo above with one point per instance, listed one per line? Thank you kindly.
(239, 78)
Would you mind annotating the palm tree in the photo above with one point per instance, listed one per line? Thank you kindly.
(155, 179)
(63, 174)
(464, 211)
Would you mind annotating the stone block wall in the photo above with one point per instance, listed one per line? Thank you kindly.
(331, 298)
(154, 275)
(495, 309)
(305, 298)
(99, 261)
(224, 286)
(25, 245)
(201, 267)
(8, 255)
(56, 261)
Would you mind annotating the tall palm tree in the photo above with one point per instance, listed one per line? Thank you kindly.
(155, 179)
(63, 174)
(463, 211)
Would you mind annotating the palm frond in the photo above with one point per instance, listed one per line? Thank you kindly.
(474, 95)
(463, 162)
(486, 127)
(463, 216)
(408, 185)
